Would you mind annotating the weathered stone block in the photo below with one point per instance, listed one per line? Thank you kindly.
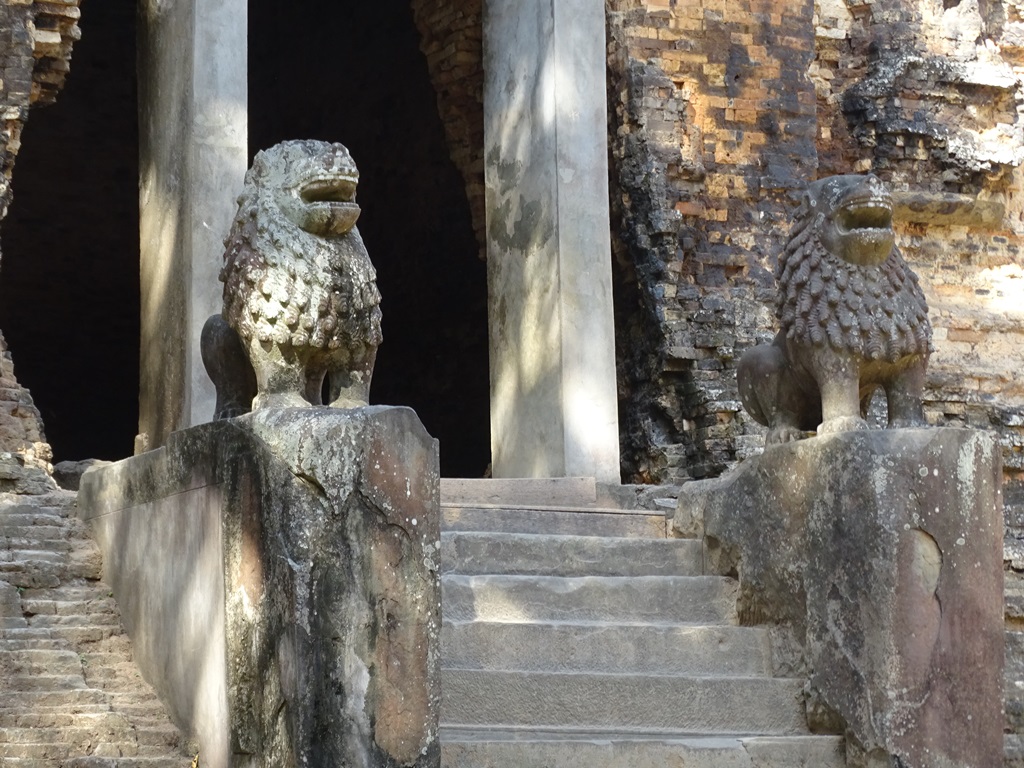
(884, 551)
(278, 574)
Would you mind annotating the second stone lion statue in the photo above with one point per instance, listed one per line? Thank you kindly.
(300, 297)
(853, 318)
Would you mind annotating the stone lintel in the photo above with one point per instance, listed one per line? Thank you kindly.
(193, 153)
(884, 550)
(552, 348)
(279, 577)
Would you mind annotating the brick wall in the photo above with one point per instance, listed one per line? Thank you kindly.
(720, 109)
(713, 118)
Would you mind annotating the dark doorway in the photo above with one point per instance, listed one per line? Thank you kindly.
(69, 285)
(353, 72)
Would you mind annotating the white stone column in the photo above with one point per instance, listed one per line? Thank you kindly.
(193, 152)
(552, 344)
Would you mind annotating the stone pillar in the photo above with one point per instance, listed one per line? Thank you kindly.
(279, 576)
(553, 394)
(193, 154)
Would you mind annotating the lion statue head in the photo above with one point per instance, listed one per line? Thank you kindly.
(842, 281)
(296, 272)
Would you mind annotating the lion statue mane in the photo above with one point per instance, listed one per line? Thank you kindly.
(852, 314)
(300, 297)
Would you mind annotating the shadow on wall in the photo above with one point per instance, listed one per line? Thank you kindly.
(163, 563)
(524, 265)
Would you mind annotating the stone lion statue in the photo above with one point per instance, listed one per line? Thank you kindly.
(300, 298)
(853, 318)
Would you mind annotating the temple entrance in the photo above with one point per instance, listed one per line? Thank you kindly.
(69, 275)
(69, 294)
(353, 72)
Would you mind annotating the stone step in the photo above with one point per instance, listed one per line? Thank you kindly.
(76, 700)
(36, 661)
(48, 682)
(51, 715)
(126, 762)
(552, 505)
(532, 749)
(39, 528)
(31, 575)
(110, 730)
(11, 508)
(65, 755)
(58, 719)
(136, 706)
(479, 552)
(76, 620)
(45, 754)
(58, 752)
(98, 605)
(83, 635)
(55, 555)
(52, 709)
(161, 735)
(561, 491)
(606, 599)
(611, 648)
(53, 531)
(640, 703)
(112, 676)
(556, 521)
(28, 517)
(43, 640)
(84, 592)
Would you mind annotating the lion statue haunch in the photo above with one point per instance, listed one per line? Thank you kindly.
(853, 318)
(300, 297)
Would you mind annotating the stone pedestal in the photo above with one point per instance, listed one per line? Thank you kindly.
(278, 576)
(884, 550)
(193, 152)
(554, 410)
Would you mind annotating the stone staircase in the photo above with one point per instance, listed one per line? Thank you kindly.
(71, 694)
(600, 643)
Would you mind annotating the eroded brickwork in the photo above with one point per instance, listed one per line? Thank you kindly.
(714, 120)
(35, 52)
(35, 55)
(21, 427)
